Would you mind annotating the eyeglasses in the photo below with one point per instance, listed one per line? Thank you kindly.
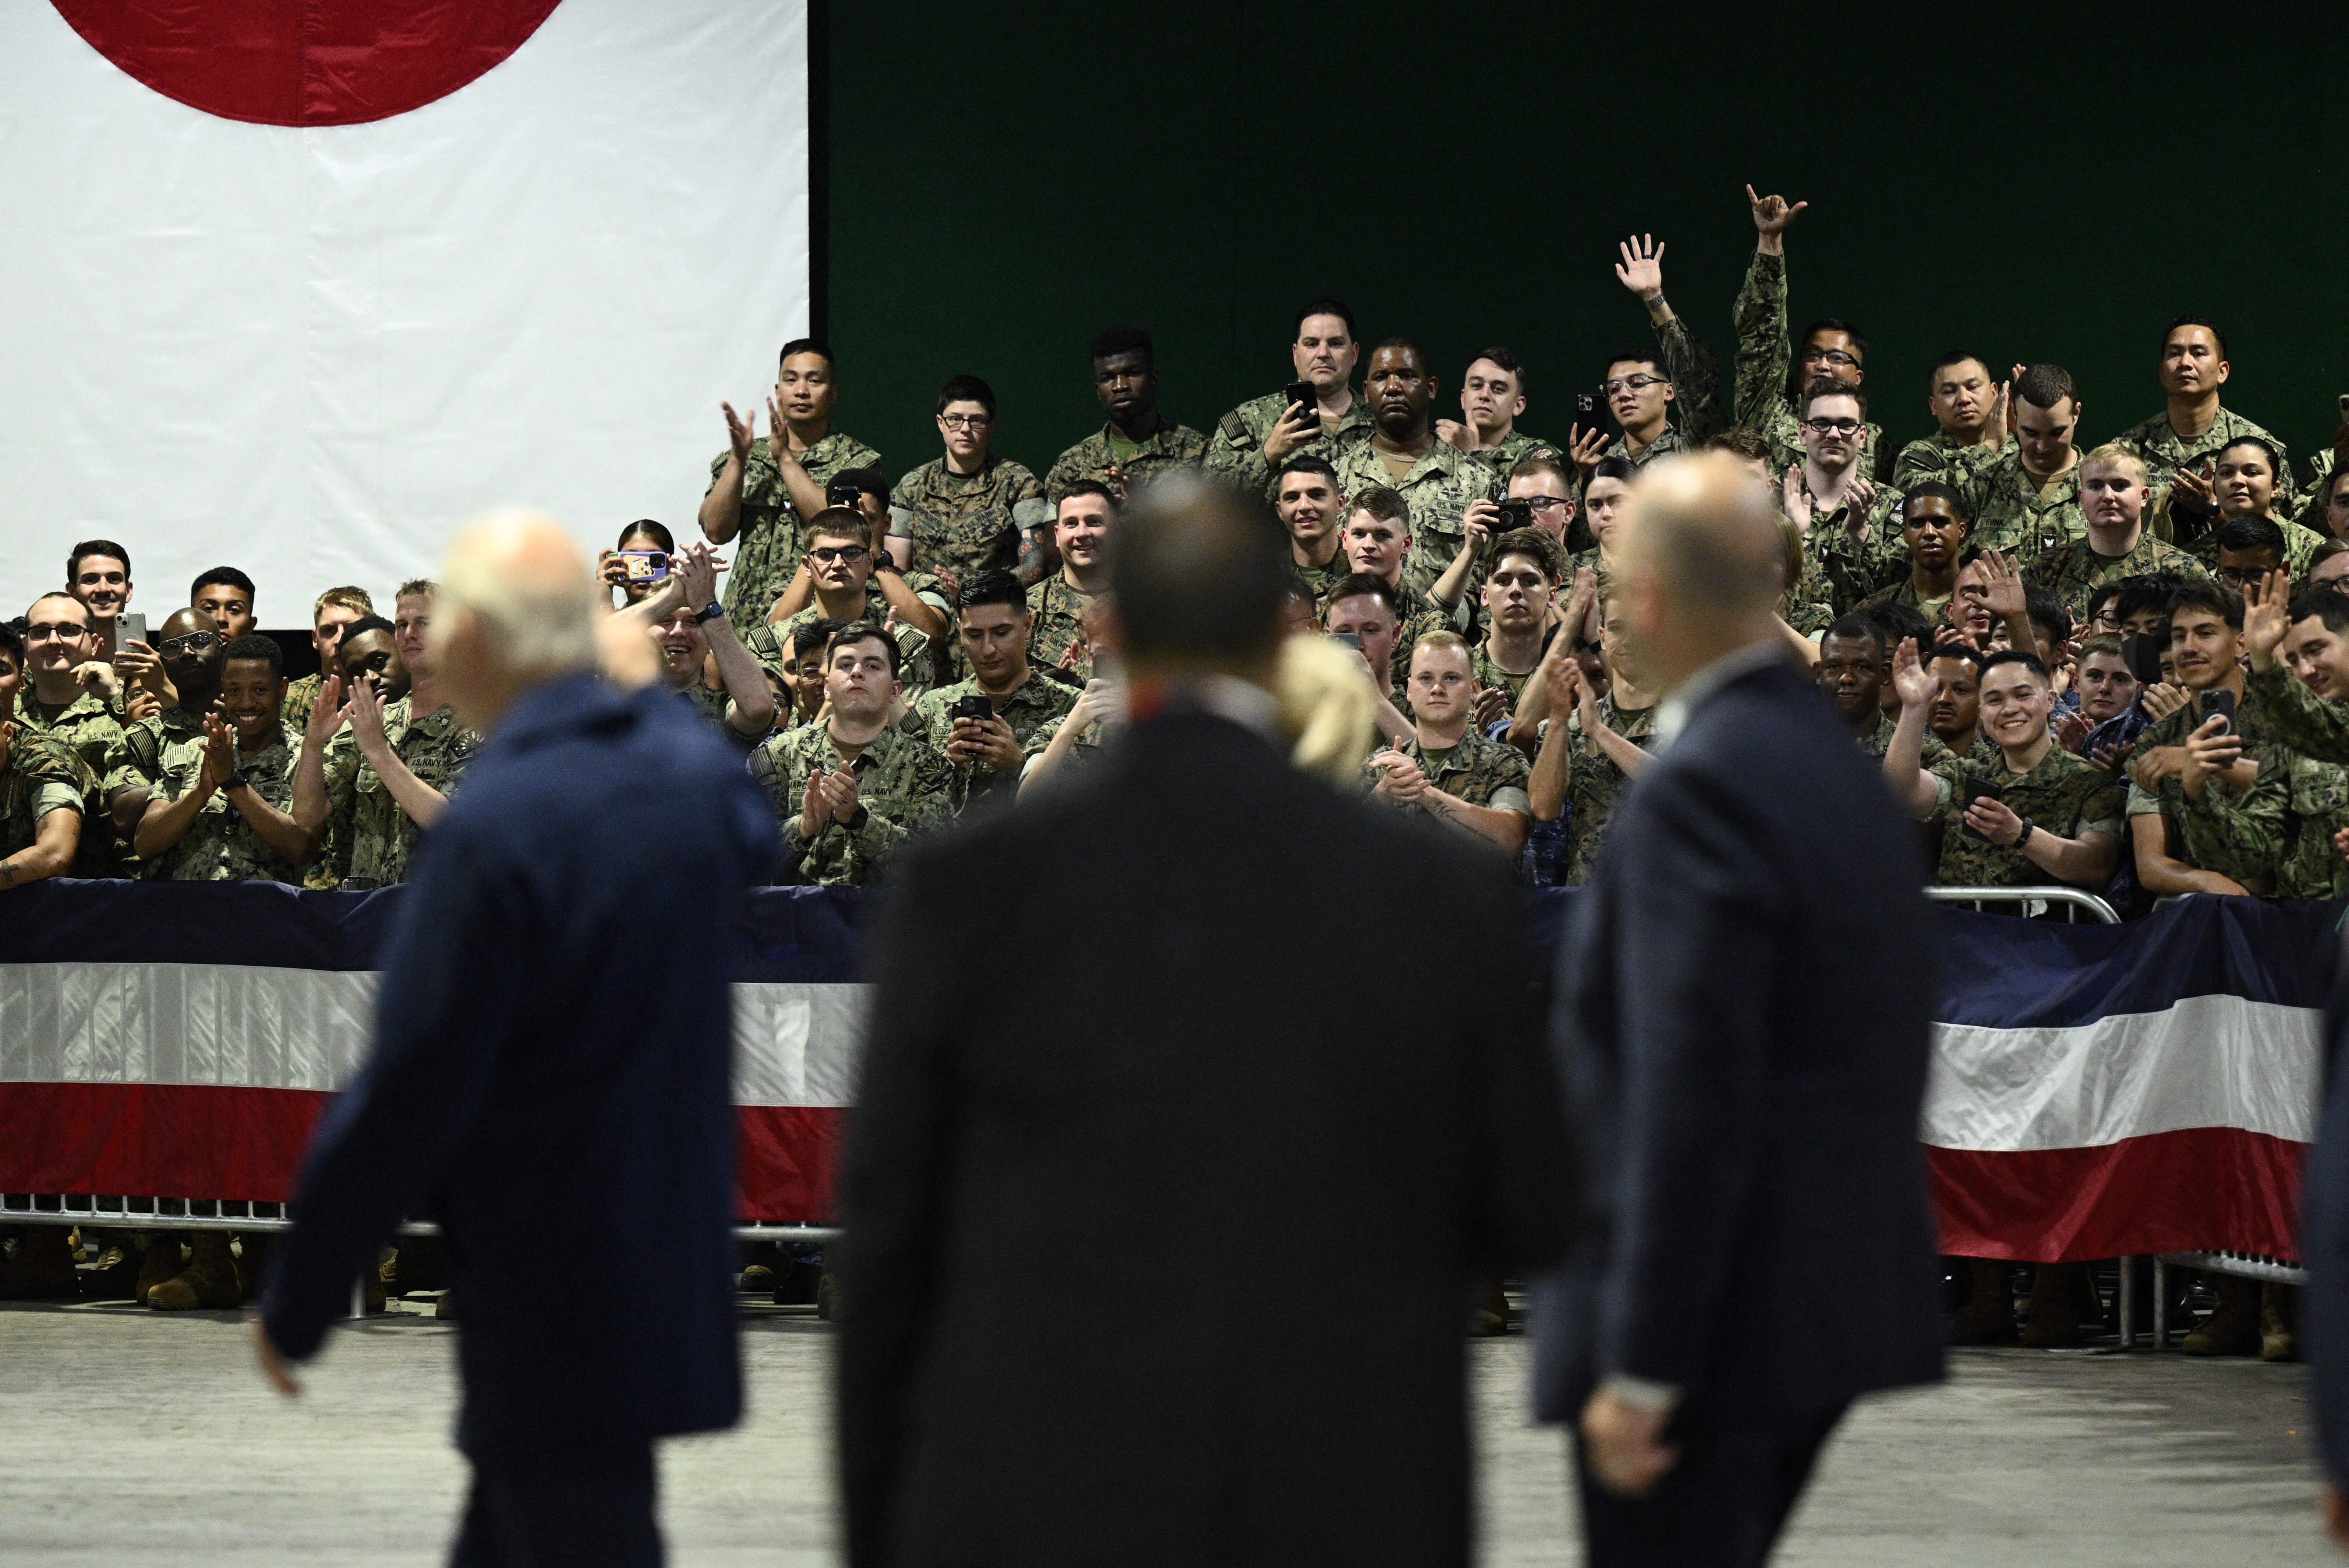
(194, 642)
(1834, 427)
(827, 554)
(1828, 356)
(1539, 503)
(1634, 383)
(965, 421)
(63, 630)
(2239, 576)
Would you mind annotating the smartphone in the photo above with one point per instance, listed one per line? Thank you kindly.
(131, 625)
(2221, 702)
(974, 707)
(846, 493)
(1302, 392)
(2144, 656)
(1516, 515)
(1978, 788)
(1346, 639)
(645, 566)
(1589, 413)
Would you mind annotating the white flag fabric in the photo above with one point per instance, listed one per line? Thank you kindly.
(313, 351)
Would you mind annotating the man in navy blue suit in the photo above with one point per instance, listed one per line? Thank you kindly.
(551, 1071)
(1744, 1122)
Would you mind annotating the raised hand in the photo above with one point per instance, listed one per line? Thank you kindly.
(1297, 425)
(1585, 448)
(366, 714)
(740, 432)
(695, 567)
(779, 436)
(1772, 214)
(1859, 497)
(1912, 680)
(2002, 593)
(220, 748)
(2266, 617)
(815, 804)
(1641, 270)
(2162, 698)
(326, 714)
(1994, 427)
(1492, 705)
(1795, 497)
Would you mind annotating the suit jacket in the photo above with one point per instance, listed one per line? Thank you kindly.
(1197, 1096)
(1743, 1020)
(2325, 1248)
(551, 1075)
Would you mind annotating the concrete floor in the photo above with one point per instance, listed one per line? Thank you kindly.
(126, 1436)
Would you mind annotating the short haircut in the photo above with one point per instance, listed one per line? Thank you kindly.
(1937, 488)
(1426, 365)
(810, 636)
(1326, 307)
(2275, 463)
(1638, 355)
(2327, 550)
(2252, 533)
(806, 346)
(1500, 356)
(1899, 623)
(106, 547)
(1089, 487)
(2030, 661)
(1536, 465)
(2110, 645)
(1621, 468)
(59, 593)
(856, 631)
(2220, 601)
(1198, 572)
(1310, 462)
(1362, 585)
(2113, 454)
(1536, 546)
(2107, 594)
(1384, 503)
(2048, 612)
(1827, 387)
(2045, 386)
(2204, 323)
(2332, 485)
(365, 624)
(2149, 591)
(841, 523)
(415, 587)
(1852, 626)
(1740, 440)
(1443, 642)
(1838, 324)
(651, 530)
(967, 389)
(868, 481)
(260, 649)
(1952, 356)
(228, 575)
(1111, 341)
(993, 588)
(2331, 608)
(349, 598)
(1956, 650)
(12, 642)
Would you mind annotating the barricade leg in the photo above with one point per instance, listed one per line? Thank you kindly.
(2161, 1303)
(2128, 1303)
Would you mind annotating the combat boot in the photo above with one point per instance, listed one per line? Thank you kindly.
(209, 1281)
(42, 1269)
(160, 1264)
(115, 1275)
(1988, 1316)
(2052, 1322)
(2233, 1326)
(2279, 1314)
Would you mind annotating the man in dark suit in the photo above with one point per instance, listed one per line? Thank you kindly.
(1170, 1261)
(1742, 1023)
(552, 1069)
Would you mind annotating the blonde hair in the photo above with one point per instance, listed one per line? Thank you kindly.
(1441, 641)
(347, 597)
(1328, 704)
(2113, 454)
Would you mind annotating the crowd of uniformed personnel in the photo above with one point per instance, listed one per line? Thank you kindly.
(2045, 641)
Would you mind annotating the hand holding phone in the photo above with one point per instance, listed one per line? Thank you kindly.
(644, 565)
(2218, 702)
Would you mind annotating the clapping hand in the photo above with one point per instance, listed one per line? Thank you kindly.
(1492, 705)
(1400, 778)
(366, 714)
(2072, 727)
(326, 714)
(740, 432)
(1913, 682)
(2191, 490)
(220, 748)
(1795, 497)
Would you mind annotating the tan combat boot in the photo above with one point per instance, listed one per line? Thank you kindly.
(209, 1281)
(2234, 1328)
(2279, 1314)
(2052, 1322)
(160, 1264)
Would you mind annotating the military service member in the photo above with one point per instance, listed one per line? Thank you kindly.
(2294, 820)
(2027, 498)
(691, 631)
(1969, 410)
(913, 598)
(1364, 609)
(1059, 606)
(66, 693)
(2192, 429)
(1255, 442)
(987, 754)
(1846, 521)
(2174, 852)
(334, 609)
(186, 661)
(760, 491)
(1935, 531)
(226, 595)
(44, 787)
(2241, 484)
(1592, 743)
(1437, 480)
(1492, 395)
(221, 811)
(1447, 768)
(969, 513)
(1377, 540)
(2114, 542)
(1668, 401)
(97, 573)
(1771, 380)
(852, 790)
(1312, 508)
(1138, 444)
(1520, 604)
(850, 583)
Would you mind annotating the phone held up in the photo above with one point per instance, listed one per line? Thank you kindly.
(974, 708)
(840, 492)
(2144, 656)
(1978, 789)
(130, 627)
(2217, 702)
(645, 566)
(1590, 414)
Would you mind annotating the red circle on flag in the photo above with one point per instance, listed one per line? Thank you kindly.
(298, 62)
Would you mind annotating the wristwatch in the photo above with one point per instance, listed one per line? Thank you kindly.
(708, 612)
(235, 780)
(2024, 838)
(856, 824)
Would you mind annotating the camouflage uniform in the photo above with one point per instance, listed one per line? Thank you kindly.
(219, 845)
(1438, 488)
(1419, 617)
(1059, 637)
(965, 523)
(901, 784)
(2011, 512)
(767, 548)
(1593, 780)
(2166, 452)
(1082, 750)
(2292, 715)
(1237, 445)
(1931, 755)
(1695, 413)
(2299, 545)
(1323, 578)
(710, 701)
(1481, 772)
(1852, 571)
(88, 727)
(2200, 840)
(772, 645)
(44, 774)
(1489, 673)
(1030, 705)
(2062, 795)
(1511, 449)
(136, 763)
(2312, 494)
(1904, 592)
(1937, 457)
(2074, 572)
(301, 696)
(381, 833)
(1766, 358)
(2285, 822)
(1170, 450)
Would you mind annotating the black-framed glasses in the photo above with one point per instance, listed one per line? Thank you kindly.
(1541, 504)
(965, 421)
(1828, 356)
(60, 630)
(1639, 383)
(1834, 427)
(193, 642)
(827, 554)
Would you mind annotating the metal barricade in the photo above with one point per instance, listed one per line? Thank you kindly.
(2243, 1265)
(2075, 903)
(134, 1213)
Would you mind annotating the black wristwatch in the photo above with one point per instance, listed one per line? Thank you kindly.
(2024, 836)
(708, 612)
(235, 780)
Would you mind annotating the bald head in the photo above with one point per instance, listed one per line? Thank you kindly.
(1707, 535)
(516, 607)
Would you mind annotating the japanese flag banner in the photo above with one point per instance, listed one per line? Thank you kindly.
(300, 287)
